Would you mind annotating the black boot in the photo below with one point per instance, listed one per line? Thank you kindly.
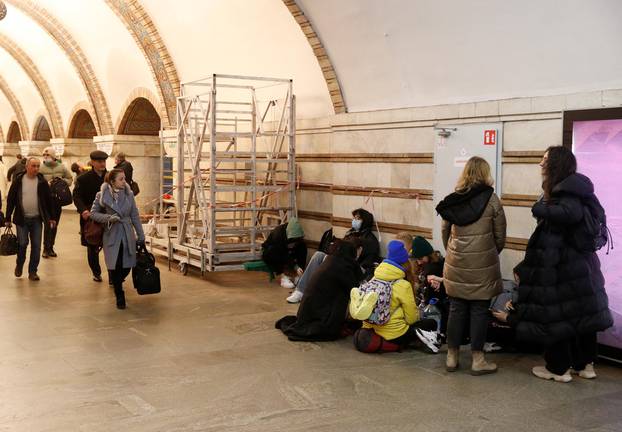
(120, 298)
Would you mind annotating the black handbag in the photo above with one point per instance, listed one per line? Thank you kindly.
(8, 243)
(135, 188)
(145, 275)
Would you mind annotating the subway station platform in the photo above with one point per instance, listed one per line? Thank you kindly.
(204, 356)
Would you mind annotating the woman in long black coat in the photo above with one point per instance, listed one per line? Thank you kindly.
(562, 302)
(324, 304)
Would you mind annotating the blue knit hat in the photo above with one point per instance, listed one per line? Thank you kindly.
(396, 252)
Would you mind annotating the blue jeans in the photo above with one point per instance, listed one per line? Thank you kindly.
(316, 260)
(30, 230)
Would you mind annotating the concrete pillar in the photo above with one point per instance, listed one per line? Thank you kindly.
(144, 154)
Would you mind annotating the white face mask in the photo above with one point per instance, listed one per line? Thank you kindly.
(48, 160)
(357, 224)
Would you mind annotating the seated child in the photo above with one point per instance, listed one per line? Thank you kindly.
(403, 327)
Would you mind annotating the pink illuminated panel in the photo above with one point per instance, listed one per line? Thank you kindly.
(598, 147)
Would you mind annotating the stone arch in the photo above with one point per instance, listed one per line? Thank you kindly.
(70, 46)
(145, 33)
(140, 116)
(81, 125)
(17, 107)
(330, 76)
(37, 79)
(14, 134)
(41, 131)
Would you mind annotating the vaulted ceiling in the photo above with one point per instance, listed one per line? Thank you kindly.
(61, 58)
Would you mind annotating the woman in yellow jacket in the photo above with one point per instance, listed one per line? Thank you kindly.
(404, 326)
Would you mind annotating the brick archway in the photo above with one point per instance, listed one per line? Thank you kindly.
(140, 118)
(146, 35)
(41, 130)
(37, 79)
(330, 76)
(82, 125)
(69, 45)
(17, 107)
(14, 134)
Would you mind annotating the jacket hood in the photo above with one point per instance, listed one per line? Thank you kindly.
(465, 208)
(575, 184)
(366, 217)
(388, 272)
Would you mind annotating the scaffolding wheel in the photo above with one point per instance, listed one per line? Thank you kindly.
(183, 268)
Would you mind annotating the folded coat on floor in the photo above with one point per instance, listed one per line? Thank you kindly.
(323, 308)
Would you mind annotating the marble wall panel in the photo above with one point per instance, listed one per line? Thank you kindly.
(509, 258)
(532, 135)
(520, 222)
(524, 179)
(398, 140)
(315, 201)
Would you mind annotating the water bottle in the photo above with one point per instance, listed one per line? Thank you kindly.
(432, 311)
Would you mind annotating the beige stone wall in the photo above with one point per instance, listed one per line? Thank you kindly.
(383, 161)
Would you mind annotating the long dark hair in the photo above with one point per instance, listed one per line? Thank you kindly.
(560, 163)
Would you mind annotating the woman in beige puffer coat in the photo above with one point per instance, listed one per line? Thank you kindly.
(474, 230)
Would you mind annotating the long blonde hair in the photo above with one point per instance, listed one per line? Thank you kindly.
(476, 171)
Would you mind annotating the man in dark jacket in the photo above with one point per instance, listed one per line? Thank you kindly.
(87, 186)
(121, 163)
(18, 167)
(29, 204)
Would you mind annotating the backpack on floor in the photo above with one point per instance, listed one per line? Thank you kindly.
(8, 243)
(371, 301)
(60, 191)
(145, 275)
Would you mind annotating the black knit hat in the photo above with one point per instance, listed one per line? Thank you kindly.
(421, 247)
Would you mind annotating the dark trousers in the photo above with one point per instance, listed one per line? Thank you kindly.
(118, 274)
(575, 353)
(31, 230)
(411, 336)
(92, 254)
(49, 233)
(475, 313)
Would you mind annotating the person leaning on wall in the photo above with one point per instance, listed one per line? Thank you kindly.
(473, 231)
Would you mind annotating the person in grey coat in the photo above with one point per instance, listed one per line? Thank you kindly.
(115, 208)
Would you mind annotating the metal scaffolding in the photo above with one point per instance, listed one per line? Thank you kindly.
(235, 170)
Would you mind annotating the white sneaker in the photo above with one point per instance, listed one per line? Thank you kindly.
(543, 372)
(588, 372)
(287, 283)
(295, 297)
(429, 339)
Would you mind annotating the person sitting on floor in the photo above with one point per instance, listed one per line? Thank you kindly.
(403, 327)
(323, 309)
(429, 278)
(362, 225)
(285, 252)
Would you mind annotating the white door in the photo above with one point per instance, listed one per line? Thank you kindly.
(452, 152)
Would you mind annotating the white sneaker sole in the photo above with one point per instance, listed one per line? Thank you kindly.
(566, 378)
(427, 342)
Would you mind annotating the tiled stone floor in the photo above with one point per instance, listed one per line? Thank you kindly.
(203, 356)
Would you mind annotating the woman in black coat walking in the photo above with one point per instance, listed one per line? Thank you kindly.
(322, 312)
(562, 302)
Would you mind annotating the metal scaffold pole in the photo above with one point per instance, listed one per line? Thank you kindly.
(235, 164)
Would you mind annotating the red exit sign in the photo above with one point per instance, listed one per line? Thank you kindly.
(490, 137)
